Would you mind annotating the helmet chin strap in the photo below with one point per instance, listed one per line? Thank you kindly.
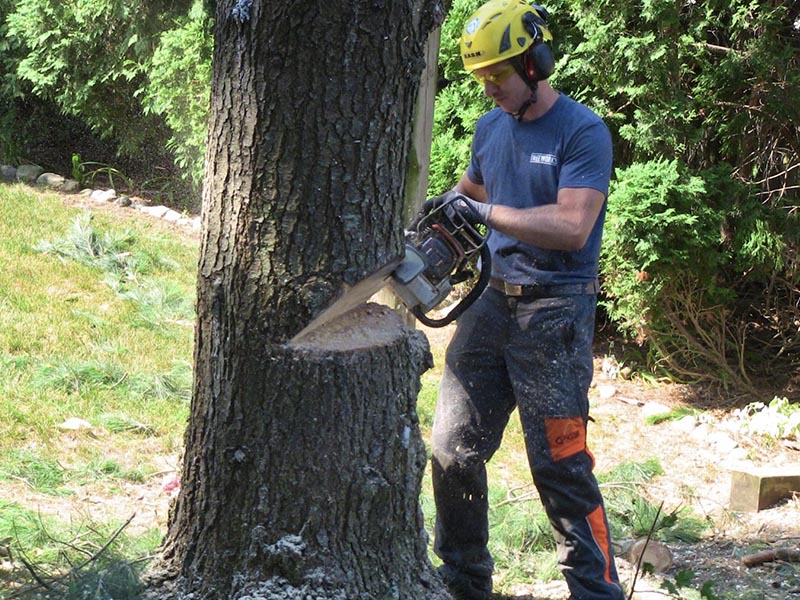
(519, 66)
(520, 114)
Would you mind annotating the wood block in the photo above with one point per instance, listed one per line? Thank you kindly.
(760, 487)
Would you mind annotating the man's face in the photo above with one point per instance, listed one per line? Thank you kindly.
(503, 84)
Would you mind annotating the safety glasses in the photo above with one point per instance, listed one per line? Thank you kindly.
(495, 77)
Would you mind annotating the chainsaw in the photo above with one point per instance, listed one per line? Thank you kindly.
(442, 250)
(444, 245)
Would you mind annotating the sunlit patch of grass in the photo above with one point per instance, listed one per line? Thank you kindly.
(633, 512)
(160, 302)
(673, 415)
(41, 472)
(70, 344)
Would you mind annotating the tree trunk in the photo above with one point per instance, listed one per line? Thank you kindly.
(303, 463)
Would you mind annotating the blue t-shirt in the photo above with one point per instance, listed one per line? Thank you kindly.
(524, 164)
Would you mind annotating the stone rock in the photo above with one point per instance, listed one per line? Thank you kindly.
(154, 211)
(8, 173)
(651, 552)
(606, 391)
(74, 424)
(171, 216)
(29, 173)
(124, 201)
(103, 195)
(51, 180)
(685, 424)
(70, 186)
(722, 441)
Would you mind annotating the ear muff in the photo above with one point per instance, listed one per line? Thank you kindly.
(538, 60)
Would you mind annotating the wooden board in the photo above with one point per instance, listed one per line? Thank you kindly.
(761, 487)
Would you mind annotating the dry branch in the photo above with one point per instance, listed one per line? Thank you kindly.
(765, 556)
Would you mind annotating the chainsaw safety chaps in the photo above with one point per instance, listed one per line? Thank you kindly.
(535, 355)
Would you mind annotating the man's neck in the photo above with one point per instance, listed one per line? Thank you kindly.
(545, 99)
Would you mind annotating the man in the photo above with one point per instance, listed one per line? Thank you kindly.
(538, 175)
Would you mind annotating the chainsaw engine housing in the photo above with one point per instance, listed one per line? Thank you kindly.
(441, 250)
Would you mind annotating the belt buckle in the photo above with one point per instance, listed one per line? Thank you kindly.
(512, 289)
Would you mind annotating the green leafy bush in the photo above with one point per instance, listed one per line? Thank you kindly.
(459, 103)
(179, 84)
(681, 255)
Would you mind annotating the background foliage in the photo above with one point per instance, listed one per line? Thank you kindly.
(700, 260)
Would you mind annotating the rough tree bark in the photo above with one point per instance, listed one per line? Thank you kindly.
(303, 463)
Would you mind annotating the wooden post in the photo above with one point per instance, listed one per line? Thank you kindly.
(419, 158)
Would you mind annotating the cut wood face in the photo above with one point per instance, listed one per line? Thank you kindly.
(364, 326)
(349, 298)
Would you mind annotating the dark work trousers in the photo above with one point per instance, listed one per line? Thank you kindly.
(535, 354)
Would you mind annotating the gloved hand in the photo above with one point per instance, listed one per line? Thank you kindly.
(430, 205)
(482, 209)
(433, 203)
(460, 203)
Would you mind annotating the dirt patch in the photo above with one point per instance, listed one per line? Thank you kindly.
(697, 457)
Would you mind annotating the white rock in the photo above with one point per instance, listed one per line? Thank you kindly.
(154, 211)
(171, 216)
(722, 441)
(74, 424)
(606, 391)
(103, 195)
(686, 424)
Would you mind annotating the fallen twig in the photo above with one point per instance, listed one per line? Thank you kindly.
(765, 556)
(51, 582)
(630, 401)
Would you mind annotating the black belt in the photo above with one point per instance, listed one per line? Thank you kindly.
(544, 291)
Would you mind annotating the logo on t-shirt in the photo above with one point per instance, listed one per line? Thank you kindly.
(544, 159)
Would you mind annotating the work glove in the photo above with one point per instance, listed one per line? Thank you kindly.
(481, 209)
(465, 205)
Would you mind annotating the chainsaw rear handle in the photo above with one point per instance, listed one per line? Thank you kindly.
(468, 300)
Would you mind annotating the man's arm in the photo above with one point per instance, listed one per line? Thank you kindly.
(565, 225)
(471, 189)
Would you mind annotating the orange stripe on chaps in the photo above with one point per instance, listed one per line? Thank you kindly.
(566, 437)
(597, 523)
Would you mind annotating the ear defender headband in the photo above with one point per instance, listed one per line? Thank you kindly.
(538, 62)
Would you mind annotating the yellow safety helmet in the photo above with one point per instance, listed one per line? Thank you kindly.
(502, 29)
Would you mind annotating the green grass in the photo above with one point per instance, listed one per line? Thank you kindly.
(673, 415)
(96, 323)
(96, 319)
